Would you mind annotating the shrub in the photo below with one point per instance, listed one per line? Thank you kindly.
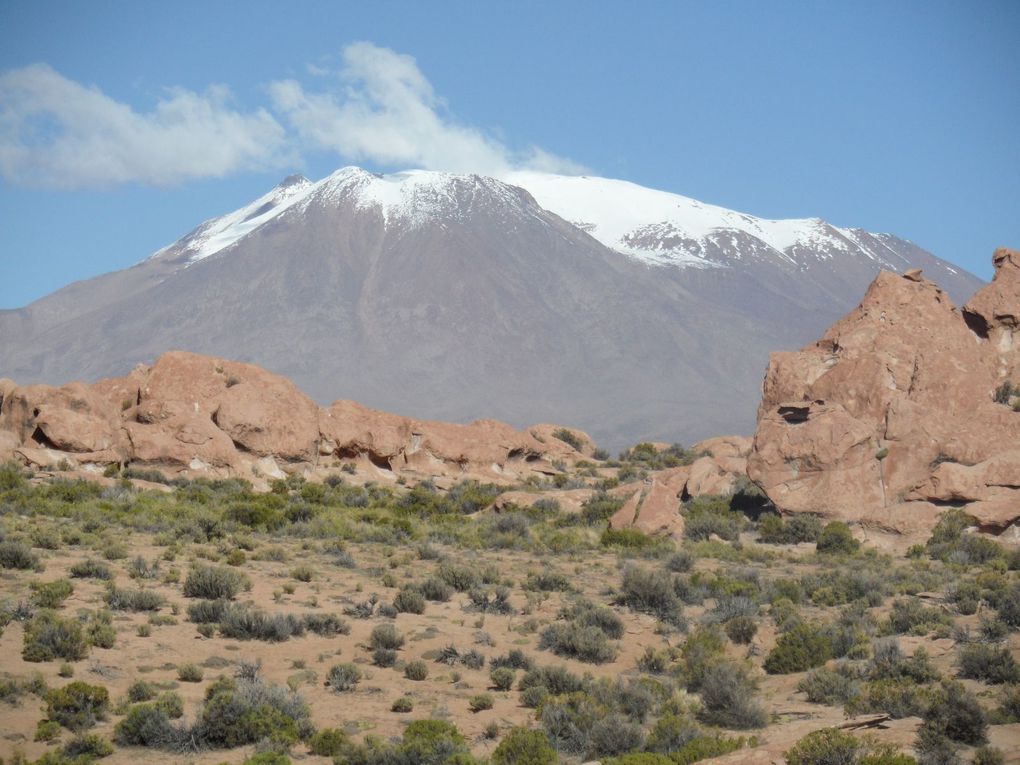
(909, 615)
(303, 573)
(615, 734)
(502, 678)
(836, 539)
(988, 755)
(951, 542)
(1008, 606)
(993, 665)
(145, 725)
(99, 630)
(51, 594)
(495, 601)
(47, 730)
(384, 657)
(741, 629)
(515, 659)
(243, 622)
(416, 670)
(803, 647)
(409, 601)
(585, 643)
(91, 569)
(650, 591)
(555, 680)
(386, 636)
(343, 677)
(190, 673)
(802, 527)
(48, 637)
(241, 712)
(432, 742)
(460, 578)
(729, 696)
(328, 742)
(77, 705)
(17, 555)
(140, 690)
(134, 600)
(436, 589)
(957, 714)
(326, 625)
(214, 583)
(480, 702)
(700, 650)
(547, 581)
(708, 516)
(829, 746)
(207, 611)
(86, 747)
(825, 686)
(403, 705)
(523, 746)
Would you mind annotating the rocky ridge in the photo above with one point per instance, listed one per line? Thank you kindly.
(903, 408)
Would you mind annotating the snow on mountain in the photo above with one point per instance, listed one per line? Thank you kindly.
(657, 227)
(662, 228)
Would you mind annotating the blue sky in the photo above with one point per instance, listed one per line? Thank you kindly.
(124, 124)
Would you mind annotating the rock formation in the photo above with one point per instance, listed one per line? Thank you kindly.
(903, 408)
(192, 415)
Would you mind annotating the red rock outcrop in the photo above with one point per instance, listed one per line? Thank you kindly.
(195, 415)
(892, 415)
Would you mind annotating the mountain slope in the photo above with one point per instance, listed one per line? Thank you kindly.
(460, 296)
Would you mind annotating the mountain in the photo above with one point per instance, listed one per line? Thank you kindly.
(631, 313)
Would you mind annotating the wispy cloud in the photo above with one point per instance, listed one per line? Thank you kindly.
(378, 108)
(384, 110)
(55, 132)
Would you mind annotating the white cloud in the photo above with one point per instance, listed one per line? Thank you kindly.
(55, 132)
(386, 112)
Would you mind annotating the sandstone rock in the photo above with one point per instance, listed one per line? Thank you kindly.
(891, 414)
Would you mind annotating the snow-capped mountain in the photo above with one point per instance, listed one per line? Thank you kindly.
(632, 313)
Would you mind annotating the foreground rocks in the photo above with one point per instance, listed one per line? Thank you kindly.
(903, 407)
(193, 415)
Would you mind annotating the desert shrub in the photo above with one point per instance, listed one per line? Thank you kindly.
(122, 599)
(386, 636)
(140, 690)
(729, 696)
(569, 437)
(829, 746)
(597, 509)
(435, 589)
(47, 730)
(1009, 709)
(99, 630)
(91, 569)
(243, 622)
(555, 680)
(956, 713)
(583, 642)
(145, 725)
(494, 601)
(951, 542)
(515, 659)
(48, 637)
(988, 755)
(139, 568)
(343, 677)
(432, 742)
(1008, 606)
(701, 649)
(303, 573)
(472, 659)
(634, 540)
(803, 647)
(650, 591)
(908, 615)
(480, 702)
(680, 561)
(403, 705)
(326, 625)
(706, 747)
(547, 581)
(524, 746)
(836, 539)
(653, 662)
(830, 687)
(460, 578)
(214, 583)
(190, 673)
(889, 663)
(207, 611)
(615, 734)
(991, 664)
(384, 657)
(17, 555)
(329, 742)
(85, 748)
(51, 594)
(409, 601)
(801, 527)
(416, 670)
(898, 698)
(77, 705)
(671, 733)
(708, 516)
(502, 678)
(240, 712)
(741, 629)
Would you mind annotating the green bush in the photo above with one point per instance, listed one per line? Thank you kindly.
(730, 699)
(48, 637)
(502, 678)
(17, 555)
(243, 622)
(741, 629)
(329, 742)
(908, 615)
(190, 673)
(241, 712)
(91, 569)
(99, 630)
(77, 705)
(432, 742)
(409, 601)
(47, 730)
(480, 702)
(801, 527)
(826, 686)
(207, 611)
(836, 539)
(120, 599)
(416, 670)
(403, 705)
(51, 594)
(650, 591)
(140, 690)
(214, 583)
(957, 714)
(802, 647)
(524, 746)
(828, 746)
(386, 636)
(343, 677)
(145, 725)
(978, 661)
(85, 748)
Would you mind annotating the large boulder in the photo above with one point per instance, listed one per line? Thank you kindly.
(902, 407)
